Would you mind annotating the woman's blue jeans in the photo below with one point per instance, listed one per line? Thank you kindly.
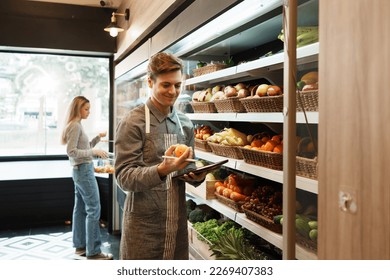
(86, 211)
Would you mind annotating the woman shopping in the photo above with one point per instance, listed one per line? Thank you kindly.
(86, 211)
(154, 222)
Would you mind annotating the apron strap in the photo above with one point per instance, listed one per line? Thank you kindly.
(147, 119)
(181, 127)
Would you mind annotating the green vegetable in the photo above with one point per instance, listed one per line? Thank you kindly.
(313, 234)
(201, 64)
(212, 214)
(229, 62)
(277, 219)
(302, 227)
(207, 229)
(190, 205)
(233, 246)
(313, 224)
(196, 215)
(211, 229)
(300, 85)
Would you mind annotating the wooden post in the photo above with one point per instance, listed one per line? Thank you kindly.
(289, 127)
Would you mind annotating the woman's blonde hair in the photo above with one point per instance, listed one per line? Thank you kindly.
(73, 114)
(161, 63)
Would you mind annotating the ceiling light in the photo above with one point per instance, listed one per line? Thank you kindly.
(113, 27)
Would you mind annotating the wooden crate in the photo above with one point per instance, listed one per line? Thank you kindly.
(205, 190)
(198, 248)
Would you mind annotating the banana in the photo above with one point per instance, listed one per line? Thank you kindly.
(305, 35)
(306, 29)
(307, 38)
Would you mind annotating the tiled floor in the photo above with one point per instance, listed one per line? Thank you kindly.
(49, 243)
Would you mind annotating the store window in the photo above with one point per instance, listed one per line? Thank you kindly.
(35, 90)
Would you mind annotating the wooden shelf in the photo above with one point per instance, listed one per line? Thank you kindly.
(277, 117)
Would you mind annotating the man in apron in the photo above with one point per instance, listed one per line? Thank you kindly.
(154, 222)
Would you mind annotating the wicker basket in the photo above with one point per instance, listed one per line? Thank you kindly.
(262, 158)
(208, 69)
(230, 203)
(262, 104)
(307, 100)
(307, 167)
(226, 151)
(307, 161)
(307, 243)
(202, 145)
(263, 221)
(203, 107)
(230, 105)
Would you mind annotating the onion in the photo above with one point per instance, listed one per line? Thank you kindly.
(243, 93)
(230, 91)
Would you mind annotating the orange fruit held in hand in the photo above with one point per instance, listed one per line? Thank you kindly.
(180, 149)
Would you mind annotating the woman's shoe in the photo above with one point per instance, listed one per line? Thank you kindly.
(80, 252)
(101, 256)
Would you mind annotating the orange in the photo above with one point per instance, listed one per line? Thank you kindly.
(180, 149)
(270, 145)
(264, 139)
(256, 143)
(279, 149)
(277, 138)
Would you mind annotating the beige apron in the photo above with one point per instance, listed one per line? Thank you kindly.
(155, 220)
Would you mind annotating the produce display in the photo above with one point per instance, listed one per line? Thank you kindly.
(308, 81)
(229, 137)
(229, 241)
(267, 90)
(305, 35)
(202, 132)
(235, 187)
(221, 92)
(306, 226)
(264, 142)
(200, 213)
(266, 201)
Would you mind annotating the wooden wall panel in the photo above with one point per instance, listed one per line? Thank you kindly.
(354, 134)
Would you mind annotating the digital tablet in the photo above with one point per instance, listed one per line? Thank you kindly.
(202, 169)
